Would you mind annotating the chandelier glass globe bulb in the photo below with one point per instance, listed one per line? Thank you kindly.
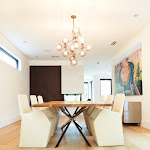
(73, 62)
(88, 47)
(59, 47)
(65, 53)
(75, 30)
(65, 40)
(82, 53)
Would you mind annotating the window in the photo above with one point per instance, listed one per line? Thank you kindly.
(8, 58)
(85, 95)
(105, 87)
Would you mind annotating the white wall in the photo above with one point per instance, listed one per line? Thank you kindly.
(72, 79)
(12, 83)
(144, 37)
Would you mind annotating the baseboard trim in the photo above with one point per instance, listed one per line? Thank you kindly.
(145, 124)
(9, 121)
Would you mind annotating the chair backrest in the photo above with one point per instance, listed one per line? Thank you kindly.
(40, 99)
(118, 103)
(102, 99)
(109, 100)
(23, 104)
(34, 101)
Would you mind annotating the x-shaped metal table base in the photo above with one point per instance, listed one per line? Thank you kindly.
(72, 119)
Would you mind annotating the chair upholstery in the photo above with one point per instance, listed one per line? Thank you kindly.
(86, 115)
(34, 101)
(23, 104)
(57, 115)
(109, 100)
(36, 126)
(40, 99)
(106, 126)
(53, 111)
(89, 111)
(118, 103)
(55, 119)
(102, 99)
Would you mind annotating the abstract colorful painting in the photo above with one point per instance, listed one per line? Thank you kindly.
(128, 73)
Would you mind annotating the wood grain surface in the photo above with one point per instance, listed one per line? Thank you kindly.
(71, 104)
(46, 81)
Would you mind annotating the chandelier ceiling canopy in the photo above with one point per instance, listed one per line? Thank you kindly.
(73, 46)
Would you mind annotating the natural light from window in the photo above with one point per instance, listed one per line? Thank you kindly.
(8, 58)
(68, 97)
(85, 94)
(105, 87)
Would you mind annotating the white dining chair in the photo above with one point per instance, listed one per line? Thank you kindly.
(106, 125)
(102, 99)
(40, 99)
(87, 113)
(53, 110)
(36, 126)
(23, 104)
(109, 100)
(34, 101)
(119, 103)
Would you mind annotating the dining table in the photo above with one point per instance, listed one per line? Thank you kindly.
(81, 106)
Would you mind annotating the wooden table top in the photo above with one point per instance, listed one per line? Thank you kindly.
(71, 104)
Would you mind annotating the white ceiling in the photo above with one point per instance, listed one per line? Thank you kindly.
(43, 24)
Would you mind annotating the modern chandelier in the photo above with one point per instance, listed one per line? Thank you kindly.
(76, 45)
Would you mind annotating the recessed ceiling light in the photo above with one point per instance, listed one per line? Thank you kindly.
(113, 43)
(136, 15)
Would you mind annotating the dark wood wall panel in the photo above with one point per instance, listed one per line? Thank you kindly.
(46, 81)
